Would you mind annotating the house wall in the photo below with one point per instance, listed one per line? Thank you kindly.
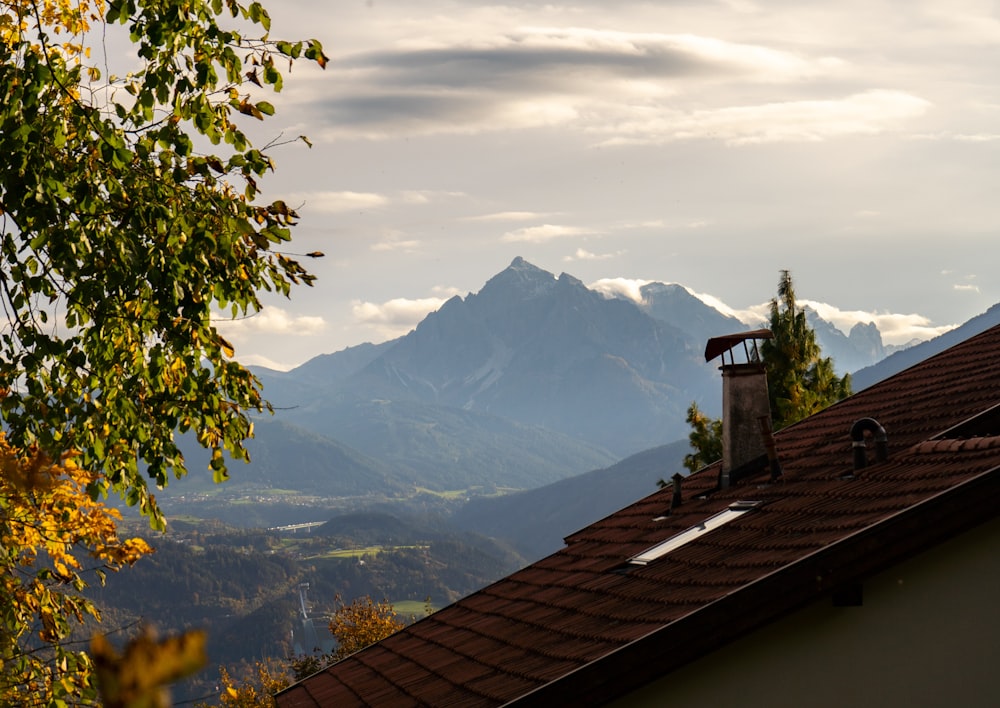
(927, 634)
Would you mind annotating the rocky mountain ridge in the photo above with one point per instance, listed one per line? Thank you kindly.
(532, 379)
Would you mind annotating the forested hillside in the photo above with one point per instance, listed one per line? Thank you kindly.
(242, 586)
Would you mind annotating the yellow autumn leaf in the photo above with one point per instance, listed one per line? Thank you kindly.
(227, 348)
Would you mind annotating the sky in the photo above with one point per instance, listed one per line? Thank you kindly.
(711, 144)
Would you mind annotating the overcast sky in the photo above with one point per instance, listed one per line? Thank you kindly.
(855, 143)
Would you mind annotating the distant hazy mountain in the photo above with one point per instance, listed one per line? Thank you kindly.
(677, 307)
(318, 374)
(536, 521)
(532, 379)
(861, 347)
(330, 369)
(549, 352)
(444, 447)
(917, 353)
(289, 457)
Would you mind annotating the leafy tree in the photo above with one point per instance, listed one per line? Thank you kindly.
(130, 212)
(45, 515)
(256, 692)
(354, 626)
(361, 623)
(705, 438)
(800, 381)
(120, 236)
(138, 677)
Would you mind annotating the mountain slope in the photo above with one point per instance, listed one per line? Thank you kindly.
(674, 305)
(548, 351)
(915, 354)
(531, 379)
(536, 521)
(861, 347)
(445, 448)
(289, 457)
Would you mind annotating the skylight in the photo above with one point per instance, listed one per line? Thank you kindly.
(734, 511)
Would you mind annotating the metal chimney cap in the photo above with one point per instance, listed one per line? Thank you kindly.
(720, 345)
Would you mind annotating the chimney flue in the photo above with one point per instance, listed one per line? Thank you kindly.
(744, 402)
(675, 500)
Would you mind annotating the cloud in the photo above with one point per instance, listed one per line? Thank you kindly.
(270, 320)
(648, 224)
(337, 202)
(394, 244)
(951, 136)
(394, 317)
(896, 328)
(528, 77)
(260, 360)
(975, 137)
(427, 196)
(866, 113)
(968, 286)
(626, 288)
(540, 234)
(582, 255)
(752, 316)
(446, 291)
(507, 216)
(541, 59)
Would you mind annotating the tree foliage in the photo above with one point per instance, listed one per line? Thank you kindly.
(46, 514)
(139, 676)
(130, 214)
(257, 691)
(361, 623)
(800, 381)
(354, 626)
(120, 234)
(705, 438)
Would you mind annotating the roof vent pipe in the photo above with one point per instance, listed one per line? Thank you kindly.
(676, 500)
(858, 431)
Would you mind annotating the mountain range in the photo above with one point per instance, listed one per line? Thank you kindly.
(533, 379)
(536, 520)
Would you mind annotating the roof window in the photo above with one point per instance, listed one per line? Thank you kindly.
(735, 510)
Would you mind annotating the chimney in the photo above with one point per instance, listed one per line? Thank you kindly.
(744, 401)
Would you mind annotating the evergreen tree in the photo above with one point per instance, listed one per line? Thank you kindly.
(800, 381)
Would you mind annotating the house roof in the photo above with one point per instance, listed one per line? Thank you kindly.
(584, 626)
